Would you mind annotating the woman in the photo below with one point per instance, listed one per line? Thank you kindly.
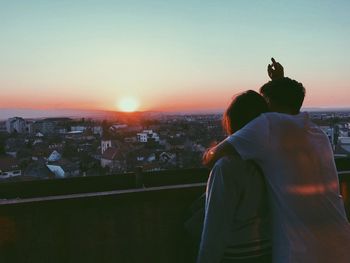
(236, 225)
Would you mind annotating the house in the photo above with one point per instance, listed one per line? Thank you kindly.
(64, 168)
(114, 159)
(167, 157)
(88, 135)
(145, 156)
(97, 130)
(74, 135)
(105, 144)
(39, 135)
(9, 167)
(116, 127)
(147, 135)
(343, 146)
(56, 170)
(14, 145)
(50, 125)
(16, 125)
(54, 156)
(38, 170)
(78, 128)
(3, 126)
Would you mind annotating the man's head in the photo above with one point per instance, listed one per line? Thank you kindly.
(284, 95)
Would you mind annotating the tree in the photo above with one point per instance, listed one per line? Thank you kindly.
(69, 150)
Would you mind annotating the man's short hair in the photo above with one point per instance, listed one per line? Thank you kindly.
(285, 93)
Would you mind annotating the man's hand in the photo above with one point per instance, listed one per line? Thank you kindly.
(215, 153)
(275, 70)
(208, 157)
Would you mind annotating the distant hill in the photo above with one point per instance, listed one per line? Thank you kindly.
(326, 109)
(46, 113)
(71, 113)
(6, 113)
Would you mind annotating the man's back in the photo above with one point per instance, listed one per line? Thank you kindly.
(297, 160)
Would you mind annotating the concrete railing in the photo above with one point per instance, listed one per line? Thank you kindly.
(142, 221)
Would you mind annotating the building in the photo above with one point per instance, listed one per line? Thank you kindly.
(167, 157)
(30, 126)
(50, 125)
(78, 128)
(97, 130)
(113, 159)
(3, 126)
(54, 156)
(43, 126)
(343, 146)
(147, 135)
(9, 167)
(329, 131)
(116, 127)
(63, 168)
(105, 144)
(14, 145)
(16, 125)
(38, 170)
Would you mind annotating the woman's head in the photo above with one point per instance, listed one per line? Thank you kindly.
(243, 108)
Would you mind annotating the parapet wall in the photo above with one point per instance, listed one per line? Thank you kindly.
(142, 221)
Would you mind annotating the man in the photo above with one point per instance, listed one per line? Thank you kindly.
(309, 220)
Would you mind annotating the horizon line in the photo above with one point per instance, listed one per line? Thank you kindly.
(6, 113)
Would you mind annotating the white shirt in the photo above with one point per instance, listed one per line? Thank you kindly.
(309, 220)
(237, 218)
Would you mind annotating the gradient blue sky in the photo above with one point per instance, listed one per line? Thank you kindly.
(170, 55)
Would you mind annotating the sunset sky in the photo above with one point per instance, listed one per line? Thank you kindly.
(168, 55)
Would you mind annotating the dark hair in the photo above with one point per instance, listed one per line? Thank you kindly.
(285, 93)
(243, 108)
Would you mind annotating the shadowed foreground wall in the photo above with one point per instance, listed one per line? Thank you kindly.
(135, 225)
(125, 225)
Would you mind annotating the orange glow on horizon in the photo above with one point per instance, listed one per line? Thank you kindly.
(207, 99)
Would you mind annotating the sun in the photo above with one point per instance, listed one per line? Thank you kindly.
(128, 104)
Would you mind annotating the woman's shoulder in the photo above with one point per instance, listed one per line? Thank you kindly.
(231, 161)
(229, 165)
(234, 166)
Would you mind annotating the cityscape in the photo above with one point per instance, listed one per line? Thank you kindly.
(108, 110)
(62, 147)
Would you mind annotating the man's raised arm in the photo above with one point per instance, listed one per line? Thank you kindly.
(251, 141)
(275, 70)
